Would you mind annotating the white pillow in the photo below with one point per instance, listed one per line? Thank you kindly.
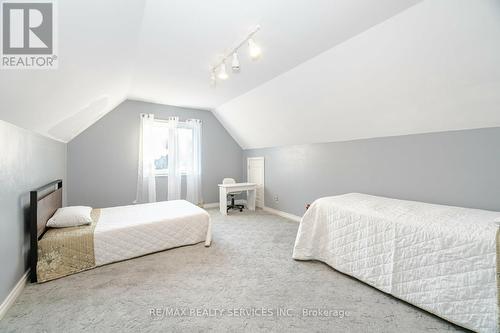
(70, 217)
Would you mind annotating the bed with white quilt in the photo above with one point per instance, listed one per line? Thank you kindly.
(68, 240)
(442, 259)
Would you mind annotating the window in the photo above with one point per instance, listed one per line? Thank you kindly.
(160, 139)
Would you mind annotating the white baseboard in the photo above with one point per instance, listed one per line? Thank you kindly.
(14, 294)
(216, 204)
(211, 205)
(289, 216)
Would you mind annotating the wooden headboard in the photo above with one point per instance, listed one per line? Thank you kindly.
(44, 202)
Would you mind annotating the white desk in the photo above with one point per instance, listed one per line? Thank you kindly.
(225, 189)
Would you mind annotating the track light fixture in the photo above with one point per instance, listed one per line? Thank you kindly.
(222, 72)
(254, 49)
(235, 65)
(254, 52)
(213, 79)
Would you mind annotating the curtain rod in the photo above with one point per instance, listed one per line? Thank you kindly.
(166, 121)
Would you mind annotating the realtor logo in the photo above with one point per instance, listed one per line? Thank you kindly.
(28, 35)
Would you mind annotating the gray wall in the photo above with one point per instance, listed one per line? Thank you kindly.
(102, 160)
(459, 168)
(27, 161)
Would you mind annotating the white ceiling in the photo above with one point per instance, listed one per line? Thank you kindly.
(331, 69)
(434, 67)
(96, 42)
(180, 40)
(160, 51)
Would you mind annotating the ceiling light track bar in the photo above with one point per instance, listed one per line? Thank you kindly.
(235, 50)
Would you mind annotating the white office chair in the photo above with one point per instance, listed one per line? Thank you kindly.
(232, 195)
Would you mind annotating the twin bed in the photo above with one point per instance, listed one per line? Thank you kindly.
(115, 234)
(442, 259)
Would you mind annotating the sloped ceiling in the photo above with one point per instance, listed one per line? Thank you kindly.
(96, 45)
(434, 67)
(181, 39)
(331, 70)
(160, 51)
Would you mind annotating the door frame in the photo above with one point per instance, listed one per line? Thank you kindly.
(263, 176)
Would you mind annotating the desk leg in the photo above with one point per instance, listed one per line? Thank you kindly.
(223, 200)
(251, 197)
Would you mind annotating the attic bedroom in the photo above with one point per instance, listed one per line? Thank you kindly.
(254, 166)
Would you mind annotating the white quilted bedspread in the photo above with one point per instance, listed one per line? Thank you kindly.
(131, 231)
(439, 258)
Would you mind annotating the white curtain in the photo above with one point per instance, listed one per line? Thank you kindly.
(193, 164)
(146, 180)
(174, 168)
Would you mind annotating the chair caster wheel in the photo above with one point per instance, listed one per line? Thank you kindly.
(241, 210)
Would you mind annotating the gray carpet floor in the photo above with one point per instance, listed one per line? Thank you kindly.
(246, 281)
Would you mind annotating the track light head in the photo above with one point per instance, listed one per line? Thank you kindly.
(254, 49)
(213, 80)
(235, 65)
(222, 72)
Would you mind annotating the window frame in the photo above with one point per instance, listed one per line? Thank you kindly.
(164, 124)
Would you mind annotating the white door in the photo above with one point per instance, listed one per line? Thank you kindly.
(255, 174)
